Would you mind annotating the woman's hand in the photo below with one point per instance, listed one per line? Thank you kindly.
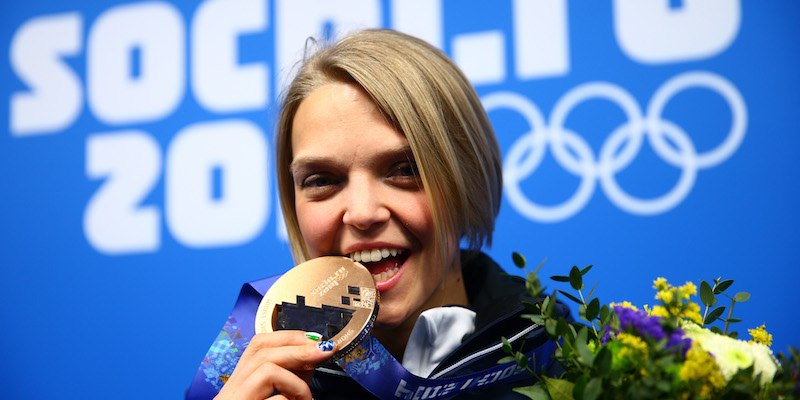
(280, 361)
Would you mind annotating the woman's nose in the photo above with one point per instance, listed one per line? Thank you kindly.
(365, 205)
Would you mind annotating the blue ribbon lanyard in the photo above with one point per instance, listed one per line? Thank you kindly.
(369, 364)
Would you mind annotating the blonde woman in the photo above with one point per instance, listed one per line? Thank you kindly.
(385, 154)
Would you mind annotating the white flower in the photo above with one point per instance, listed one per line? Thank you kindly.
(765, 361)
(732, 355)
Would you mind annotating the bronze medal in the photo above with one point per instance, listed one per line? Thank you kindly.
(333, 296)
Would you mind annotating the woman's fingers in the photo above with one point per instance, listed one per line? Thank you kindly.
(268, 363)
(290, 350)
(274, 340)
(302, 357)
(268, 378)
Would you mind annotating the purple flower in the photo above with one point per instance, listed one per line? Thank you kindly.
(644, 325)
(678, 342)
(607, 335)
(639, 321)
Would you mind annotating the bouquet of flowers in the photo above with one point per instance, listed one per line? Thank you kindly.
(667, 351)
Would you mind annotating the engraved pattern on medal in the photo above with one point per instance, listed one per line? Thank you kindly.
(367, 301)
(330, 282)
(344, 338)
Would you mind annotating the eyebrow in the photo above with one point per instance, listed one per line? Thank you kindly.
(403, 151)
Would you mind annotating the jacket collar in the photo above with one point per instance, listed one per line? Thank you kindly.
(496, 298)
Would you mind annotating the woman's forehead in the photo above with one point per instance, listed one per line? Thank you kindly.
(341, 115)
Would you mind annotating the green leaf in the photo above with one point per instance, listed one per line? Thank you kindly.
(506, 359)
(535, 318)
(585, 355)
(593, 309)
(741, 297)
(572, 333)
(713, 315)
(561, 327)
(545, 303)
(593, 389)
(733, 320)
(605, 315)
(663, 386)
(720, 287)
(559, 389)
(534, 392)
(580, 386)
(593, 336)
(532, 307)
(559, 278)
(602, 361)
(585, 270)
(575, 278)
(519, 259)
(706, 295)
(571, 297)
(734, 335)
(522, 360)
(533, 285)
(506, 345)
(550, 327)
(551, 307)
(591, 292)
(540, 266)
(716, 329)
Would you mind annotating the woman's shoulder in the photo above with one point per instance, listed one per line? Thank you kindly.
(492, 292)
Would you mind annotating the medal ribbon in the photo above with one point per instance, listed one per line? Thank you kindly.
(369, 364)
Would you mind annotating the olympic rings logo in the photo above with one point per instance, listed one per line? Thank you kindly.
(619, 150)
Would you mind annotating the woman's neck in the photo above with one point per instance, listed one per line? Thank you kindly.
(451, 291)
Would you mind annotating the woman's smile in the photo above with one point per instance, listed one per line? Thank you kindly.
(383, 263)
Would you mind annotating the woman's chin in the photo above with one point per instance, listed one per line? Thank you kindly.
(389, 320)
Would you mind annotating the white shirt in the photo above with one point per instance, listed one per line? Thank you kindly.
(436, 334)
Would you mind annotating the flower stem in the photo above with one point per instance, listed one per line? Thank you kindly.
(730, 314)
(580, 293)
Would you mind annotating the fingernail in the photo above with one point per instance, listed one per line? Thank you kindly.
(326, 345)
(313, 336)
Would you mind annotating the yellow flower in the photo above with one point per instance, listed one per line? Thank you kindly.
(666, 296)
(760, 335)
(626, 304)
(701, 367)
(689, 289)
(660, 284)
(635, 348)
(692, 313)
(659, 311)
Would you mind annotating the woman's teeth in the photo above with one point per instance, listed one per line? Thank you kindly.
(385, 275)
(374, 254)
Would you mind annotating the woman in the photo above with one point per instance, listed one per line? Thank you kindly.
(385, 154)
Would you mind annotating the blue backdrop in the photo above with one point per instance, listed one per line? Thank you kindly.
(649, 138)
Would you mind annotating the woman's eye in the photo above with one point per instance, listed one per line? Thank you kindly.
(317, 181)
(319, 186)
(406, 169)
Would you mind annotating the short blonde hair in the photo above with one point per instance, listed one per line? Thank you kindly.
(425, 96)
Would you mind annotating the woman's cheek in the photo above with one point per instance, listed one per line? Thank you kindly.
(317, 228)
(419, 217)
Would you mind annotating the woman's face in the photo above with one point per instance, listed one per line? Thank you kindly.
(358, 194)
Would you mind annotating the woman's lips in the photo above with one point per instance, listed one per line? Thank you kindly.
(388, 279)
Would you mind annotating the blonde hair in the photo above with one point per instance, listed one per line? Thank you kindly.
(425, 96)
